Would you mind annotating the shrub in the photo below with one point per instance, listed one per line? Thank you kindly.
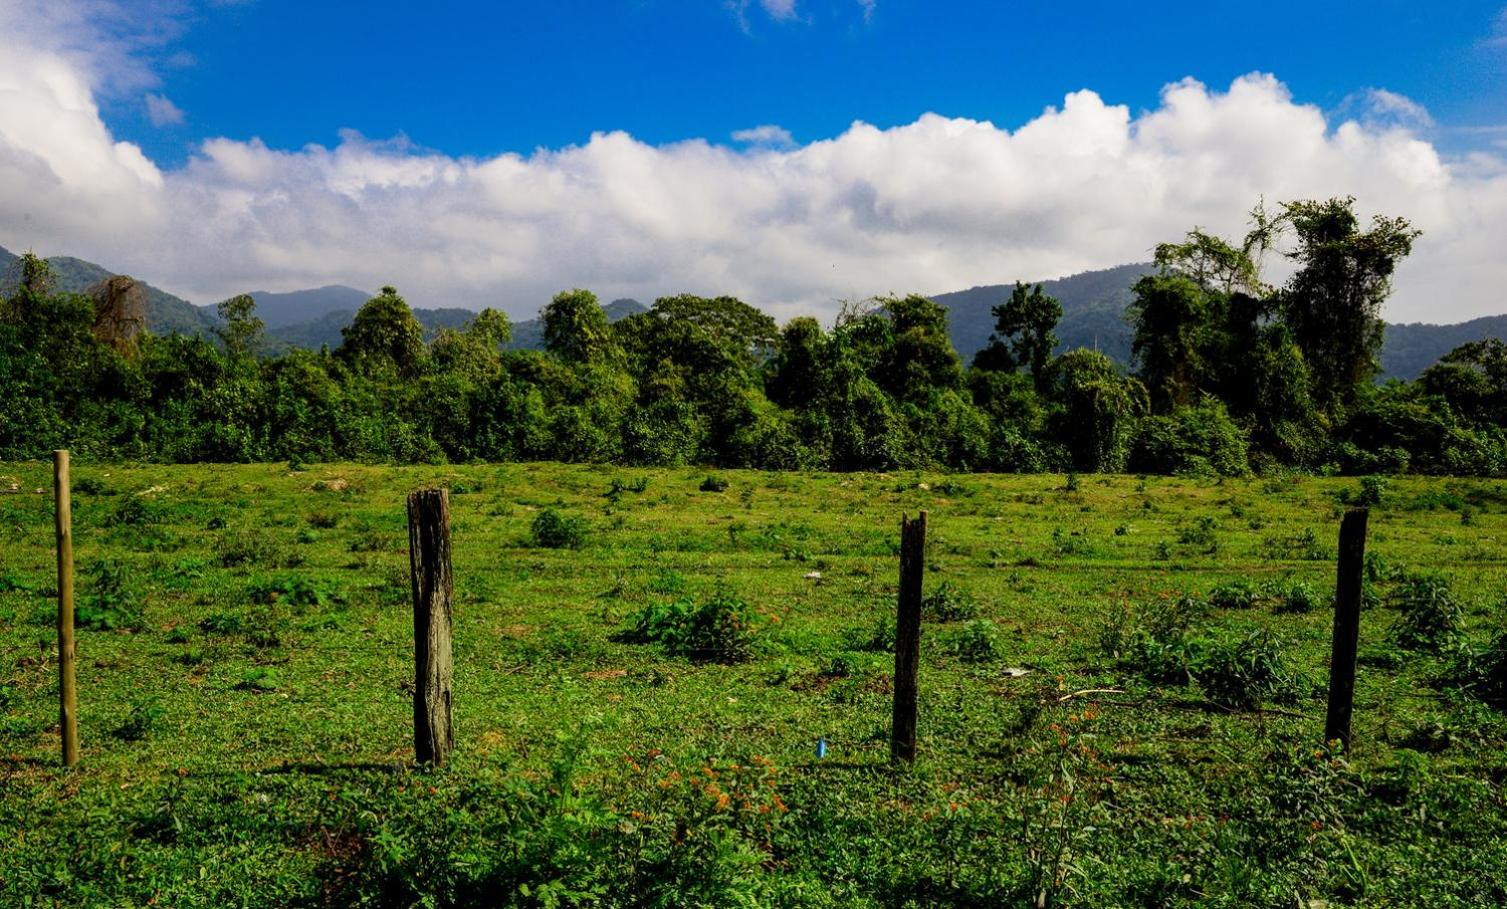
(109, 604)
(1295, 597)
(1430, 616)
(721, 629)
(976, 642)
(949, 603)
(1200, 440)
(1234, 595)
(714, 483)
(1371, 491)
(879, 639)
(246, 548)
(1482, 673)
(552, 530)
(1201, 533)
(1244, 673)
(293, 592)
(1156, 640)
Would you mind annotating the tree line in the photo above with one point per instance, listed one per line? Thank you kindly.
(1230, 374)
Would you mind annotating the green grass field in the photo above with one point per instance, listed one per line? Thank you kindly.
(245, 680)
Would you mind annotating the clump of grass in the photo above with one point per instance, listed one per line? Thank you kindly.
(246, 549)
(292, 591)
(880, 638)
(1202, 533)
(1482, 673)
(949, 603)
(323, 520)
(714, 483)
(1238, 594)
(721, 629)
(552, 530)
(976, 642)
(140, 722)
(1244, 673)
(1295, 597)
(1156, 640)
(1430, 617)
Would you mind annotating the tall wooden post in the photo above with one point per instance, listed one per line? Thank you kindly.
(433, 587)
(908, 637)
(67, 686)
(1347, 600)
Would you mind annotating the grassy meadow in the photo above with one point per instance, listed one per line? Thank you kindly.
(1122, 692)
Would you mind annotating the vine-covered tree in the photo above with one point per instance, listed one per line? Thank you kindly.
(384, 337)
(1025, 333)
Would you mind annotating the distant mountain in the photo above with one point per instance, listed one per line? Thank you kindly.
(165, 313)
(1415, 346)
(326, 330)
(1093, 308)
(278, 310)
(1093, 311)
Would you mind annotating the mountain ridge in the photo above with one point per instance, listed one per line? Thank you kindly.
(1093, 305)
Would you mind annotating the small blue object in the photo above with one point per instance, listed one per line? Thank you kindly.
(821, 747)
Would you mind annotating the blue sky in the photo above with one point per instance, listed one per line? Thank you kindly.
(794, 153)
(478, 78)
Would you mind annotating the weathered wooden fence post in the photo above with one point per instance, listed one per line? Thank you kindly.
(908, 637)
(1347, 601)
(433, 587)
(67, 686)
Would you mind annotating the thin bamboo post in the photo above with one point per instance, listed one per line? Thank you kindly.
(908, 638)
(1347, 601)
(433, 588)
(67, 686)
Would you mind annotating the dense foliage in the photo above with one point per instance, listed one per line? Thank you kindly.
(1230, 374)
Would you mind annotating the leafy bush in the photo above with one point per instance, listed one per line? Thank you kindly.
(293, 592)
(976, 642)
(1200, 440)
(108, 603)
(949, 603)
(1244, 673)
(1429, 615)
(1156, 639)
(1295, 597)
(721, 629)
(714, 483)
(1238, 594)
(552, 530)
(1482, 673)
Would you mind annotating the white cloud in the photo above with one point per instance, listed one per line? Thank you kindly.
(1498, 35)
(161, 111)
(935, 205)
(768, 134)
(868, 9)
(779, 9)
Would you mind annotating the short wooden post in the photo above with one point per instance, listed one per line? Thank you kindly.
(908, 637)
(433, 587)
(67, 685)
(1347, 600)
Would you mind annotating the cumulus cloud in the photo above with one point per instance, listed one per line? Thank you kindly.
(161, 111)
(939, 204)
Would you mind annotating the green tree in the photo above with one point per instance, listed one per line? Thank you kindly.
(1333, 302)
(242, 331)
(576, 328)
(1094, 410)
(1025, 333)
(384, 337)
(1176, 324)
